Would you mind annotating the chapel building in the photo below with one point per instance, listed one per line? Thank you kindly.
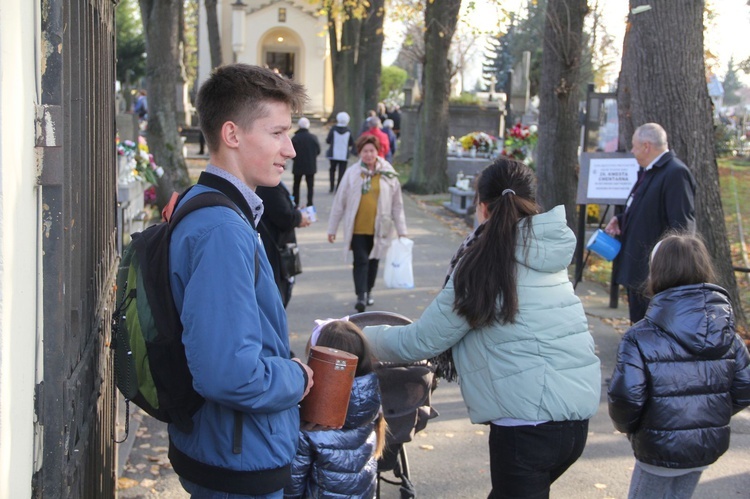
(288, 36)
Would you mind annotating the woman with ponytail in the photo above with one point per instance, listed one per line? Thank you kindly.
(508, 325)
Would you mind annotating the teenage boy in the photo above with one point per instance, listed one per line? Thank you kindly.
(245, 435)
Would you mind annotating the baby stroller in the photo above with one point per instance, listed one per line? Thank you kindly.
(406, 390)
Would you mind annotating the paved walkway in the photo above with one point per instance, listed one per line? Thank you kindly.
(449, 458)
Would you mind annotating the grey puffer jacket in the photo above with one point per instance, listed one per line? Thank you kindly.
(681, 373)
(340, 463)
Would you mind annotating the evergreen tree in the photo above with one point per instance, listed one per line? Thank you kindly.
(499, 61)
(525, 34)
(131, 44)
(731, 85)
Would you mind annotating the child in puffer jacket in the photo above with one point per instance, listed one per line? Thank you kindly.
(681, 373)
(343, 462)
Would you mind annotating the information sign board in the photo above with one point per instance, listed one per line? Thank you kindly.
(606, 178)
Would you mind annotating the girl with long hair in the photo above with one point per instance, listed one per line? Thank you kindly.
(511, 328)
(681, 373)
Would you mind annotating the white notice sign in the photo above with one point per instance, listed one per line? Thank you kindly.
(611, 178)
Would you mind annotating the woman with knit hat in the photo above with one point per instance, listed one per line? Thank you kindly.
(307, 147)
(340, 142)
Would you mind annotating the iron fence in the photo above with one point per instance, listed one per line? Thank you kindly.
(78, 188)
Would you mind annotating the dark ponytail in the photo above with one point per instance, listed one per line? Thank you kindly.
(485, 278)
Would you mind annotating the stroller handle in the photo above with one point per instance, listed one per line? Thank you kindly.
(379, 318)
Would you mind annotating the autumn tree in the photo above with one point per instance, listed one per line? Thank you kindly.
(663, 80)
(411, 51)
(355, 34)
(430, 164)
(214, 37)
(557, 150)
(600, 53)
(161, 26)
(372, 37)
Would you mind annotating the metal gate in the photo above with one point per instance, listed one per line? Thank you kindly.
(76, 147)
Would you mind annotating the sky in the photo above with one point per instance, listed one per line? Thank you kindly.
(725, 38)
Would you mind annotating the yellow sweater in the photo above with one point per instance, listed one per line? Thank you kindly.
(364, 221)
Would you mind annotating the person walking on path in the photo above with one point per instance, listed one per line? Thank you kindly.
(388, 130)
(375, 130)
(661, 199)
(307, 147)
(340, 142)
(277, 230)
(366, 122)
(343, 462)
(517, 333)
(680, 375)
(395, 115)
(236, 339)
(370, 204)
(140, 107)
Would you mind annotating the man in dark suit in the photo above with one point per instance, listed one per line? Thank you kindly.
(662, 199)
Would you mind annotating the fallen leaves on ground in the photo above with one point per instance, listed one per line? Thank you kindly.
(148, 483)
(620, 324)
(125, 483)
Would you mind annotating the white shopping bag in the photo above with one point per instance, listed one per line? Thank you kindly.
(398, 268)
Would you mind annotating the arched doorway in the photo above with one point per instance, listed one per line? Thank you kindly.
(281, 50)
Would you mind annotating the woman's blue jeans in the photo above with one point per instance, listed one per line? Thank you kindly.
(525, 460)
(645, 485)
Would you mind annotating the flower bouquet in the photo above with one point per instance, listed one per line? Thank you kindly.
(140, 165)
(520, 142)
(480, 141)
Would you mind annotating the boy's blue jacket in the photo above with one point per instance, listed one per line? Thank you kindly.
(237, 347)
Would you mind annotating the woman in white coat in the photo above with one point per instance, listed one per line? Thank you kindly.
(369, 203)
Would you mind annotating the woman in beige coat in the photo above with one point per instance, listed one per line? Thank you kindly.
(369, 202)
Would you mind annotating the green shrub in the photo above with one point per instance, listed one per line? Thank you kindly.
(725, 140)
(465, 99)
(392, 81)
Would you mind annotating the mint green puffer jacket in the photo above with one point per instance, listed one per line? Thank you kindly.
(542, 367)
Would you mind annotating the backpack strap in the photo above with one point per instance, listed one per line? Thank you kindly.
(204, 200)
(229, 190)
